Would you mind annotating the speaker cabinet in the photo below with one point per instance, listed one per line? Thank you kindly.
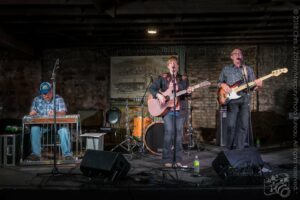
(112, 165)
(221, 123)
(221, 126)
(238, 162)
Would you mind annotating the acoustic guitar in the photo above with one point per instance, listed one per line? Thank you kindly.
(156, 109)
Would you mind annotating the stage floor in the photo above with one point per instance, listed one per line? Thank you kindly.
(147, 177)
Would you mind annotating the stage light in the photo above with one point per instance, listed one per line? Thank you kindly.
(152, 31)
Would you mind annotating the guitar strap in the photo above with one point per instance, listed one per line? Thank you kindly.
(246, 77)
(245, 73)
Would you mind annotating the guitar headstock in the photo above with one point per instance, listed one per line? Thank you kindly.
(205, 83)
(279, 71)
(202, 84)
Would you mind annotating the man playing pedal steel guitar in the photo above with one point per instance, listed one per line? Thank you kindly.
(162, 84)
(42, 105)
(237, 109)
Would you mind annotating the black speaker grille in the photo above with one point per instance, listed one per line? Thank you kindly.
(111, 164)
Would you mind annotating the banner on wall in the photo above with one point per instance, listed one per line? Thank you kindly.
(130, 75)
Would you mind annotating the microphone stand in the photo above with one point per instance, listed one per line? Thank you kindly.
(249, 99)
(174, 118)
(142, 113)
(53, 78)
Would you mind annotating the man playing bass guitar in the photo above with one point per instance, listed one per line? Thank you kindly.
(237, 109)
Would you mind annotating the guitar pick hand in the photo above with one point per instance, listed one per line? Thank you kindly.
(161, 98)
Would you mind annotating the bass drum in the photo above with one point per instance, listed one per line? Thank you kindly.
(154, 137)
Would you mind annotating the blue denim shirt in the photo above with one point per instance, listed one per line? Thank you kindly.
(42, 107)
(231, 75)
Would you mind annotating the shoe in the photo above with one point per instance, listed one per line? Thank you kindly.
(178, 164)
(33, 157)
(69, 158)
(168, 165)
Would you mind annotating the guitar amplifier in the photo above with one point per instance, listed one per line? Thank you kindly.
(221, 135)
(221, 126)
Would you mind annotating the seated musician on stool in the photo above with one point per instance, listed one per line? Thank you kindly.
(42, 105)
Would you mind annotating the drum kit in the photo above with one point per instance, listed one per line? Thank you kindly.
(153, 134)
(148, 131)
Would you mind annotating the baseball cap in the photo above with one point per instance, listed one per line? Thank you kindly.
(45, 87)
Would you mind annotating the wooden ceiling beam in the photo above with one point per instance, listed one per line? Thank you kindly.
(44, 2)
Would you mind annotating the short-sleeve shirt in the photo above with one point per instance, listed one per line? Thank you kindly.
(231, 75)
(42, 107)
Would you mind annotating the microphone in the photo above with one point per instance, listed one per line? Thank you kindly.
(241, 61)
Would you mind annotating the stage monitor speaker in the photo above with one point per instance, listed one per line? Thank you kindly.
(245, 162)
(112, 165)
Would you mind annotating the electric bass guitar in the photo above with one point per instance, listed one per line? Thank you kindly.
(156, 109)
(224, 97)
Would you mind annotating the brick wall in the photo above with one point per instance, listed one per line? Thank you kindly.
(84, 77)
(19, 77)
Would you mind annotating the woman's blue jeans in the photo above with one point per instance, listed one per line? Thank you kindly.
(167, 156)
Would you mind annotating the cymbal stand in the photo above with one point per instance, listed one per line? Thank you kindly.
(190, 129)
(142, 103)
(129, 143)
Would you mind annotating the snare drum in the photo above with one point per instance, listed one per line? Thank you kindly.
(154, 137)
(137, 123)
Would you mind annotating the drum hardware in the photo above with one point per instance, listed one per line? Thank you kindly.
(142, 111)
(190, 130)
(129, 143)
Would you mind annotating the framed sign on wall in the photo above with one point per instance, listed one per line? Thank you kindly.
(130, 75)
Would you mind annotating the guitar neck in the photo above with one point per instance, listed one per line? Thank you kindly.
(252, 83)
(185, 91)
(181, 93)
(202, 84)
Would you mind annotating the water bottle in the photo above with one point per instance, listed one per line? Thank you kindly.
(257, 143)
(196, 166)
